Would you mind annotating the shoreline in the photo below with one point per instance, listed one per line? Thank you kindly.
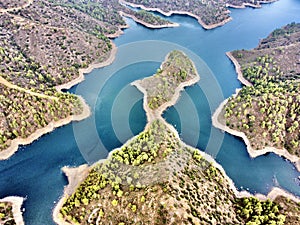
(81, 171)
(177, 94)
(86, 112)
(89, 69)
(275, 191)
(15, 143)
(75, 177)
(244, 5)
(156, 113)
(16, 208)
(238, 70)
(222, 125)
(117, 33)
(252, 153)
(205, 26)
(13, 148)
(149, 115)
(148, 25)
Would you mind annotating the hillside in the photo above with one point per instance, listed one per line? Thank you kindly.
(41, 54)
(210, 14)
(267, 110)
(156, 179)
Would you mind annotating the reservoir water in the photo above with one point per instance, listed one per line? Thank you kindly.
(117, 112)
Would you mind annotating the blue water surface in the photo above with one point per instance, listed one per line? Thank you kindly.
(34, 171)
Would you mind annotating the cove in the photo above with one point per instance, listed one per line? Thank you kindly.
(34, 171)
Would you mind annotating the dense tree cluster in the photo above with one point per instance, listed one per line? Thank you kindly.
(147, 146)
(125, 190)
(180, 187)
(256, 212)
(293, 209)
(22, 113)
(268, 112)
(130, 169)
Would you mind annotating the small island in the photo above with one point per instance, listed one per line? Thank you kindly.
(265, 113)
(155, 178)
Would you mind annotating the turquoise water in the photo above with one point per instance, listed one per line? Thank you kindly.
(34, 171)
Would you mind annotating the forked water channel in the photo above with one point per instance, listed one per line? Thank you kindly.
(34, 171)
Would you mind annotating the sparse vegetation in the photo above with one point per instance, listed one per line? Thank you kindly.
(154, 176)
(293, 209)
(22, 113)
(210, 13)
(156, 179)
(163, 183)
(161, 87)
(6, 4)
(44, 45)
(150, 18)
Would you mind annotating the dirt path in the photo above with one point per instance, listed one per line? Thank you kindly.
(10, 85)
(17, 8)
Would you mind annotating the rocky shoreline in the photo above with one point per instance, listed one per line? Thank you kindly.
(205, 26)
(219, 122)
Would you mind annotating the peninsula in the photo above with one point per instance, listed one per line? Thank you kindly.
(40, 56)
(265, 113)
(155, 178)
